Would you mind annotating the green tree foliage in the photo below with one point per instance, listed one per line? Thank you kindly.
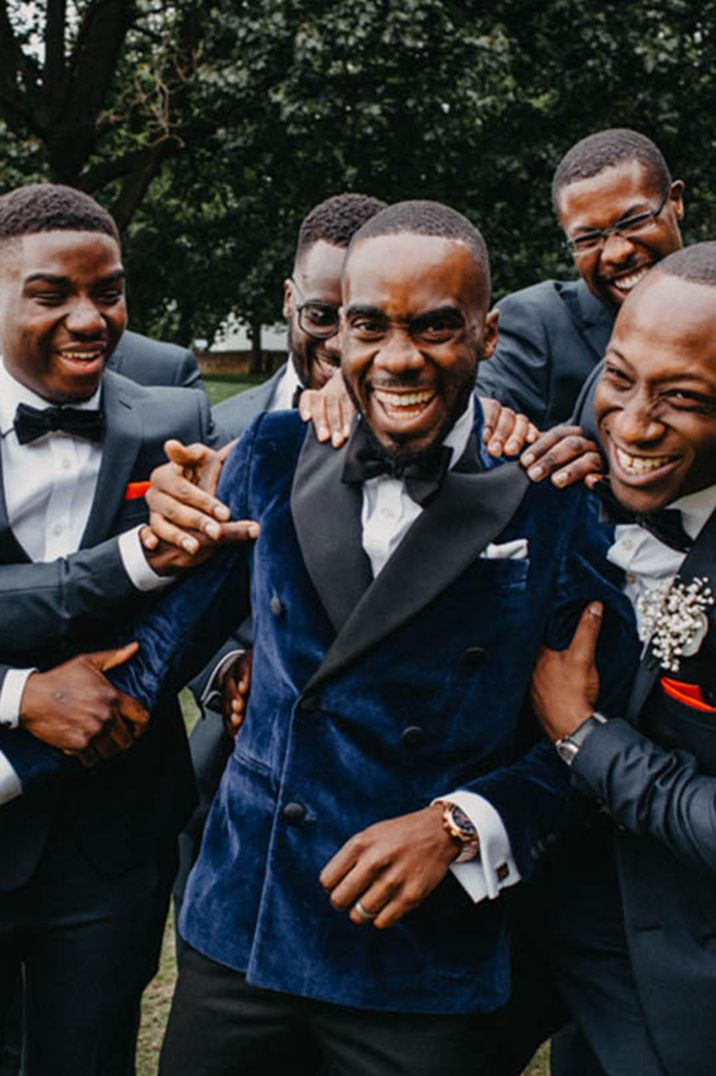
(216, 124)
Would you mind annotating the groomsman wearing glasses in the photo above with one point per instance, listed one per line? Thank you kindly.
(619, 208)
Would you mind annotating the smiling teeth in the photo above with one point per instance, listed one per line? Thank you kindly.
(84, 356)
(403, 399)
(640, 464)
(626, 283)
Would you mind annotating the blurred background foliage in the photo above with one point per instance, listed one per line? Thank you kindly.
(210, 127)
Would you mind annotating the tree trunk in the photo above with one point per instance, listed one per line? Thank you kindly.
(255, 363)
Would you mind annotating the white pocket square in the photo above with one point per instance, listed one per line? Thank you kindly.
(516, 550)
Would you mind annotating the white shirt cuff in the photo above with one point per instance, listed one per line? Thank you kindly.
(212, 695)
(136, 565)
(495, 868)
(10, 785)
(13, 686)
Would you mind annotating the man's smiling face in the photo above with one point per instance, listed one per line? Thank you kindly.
(62, 310)
(315, 284)
(617, 194)
(655, 404)
(414, 327)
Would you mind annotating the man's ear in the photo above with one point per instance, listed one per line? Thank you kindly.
(287, 298)
(676, 197)
(491, 334)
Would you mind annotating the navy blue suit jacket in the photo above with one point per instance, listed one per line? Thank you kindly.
(552, 335)
(154, 362)
(443, 641)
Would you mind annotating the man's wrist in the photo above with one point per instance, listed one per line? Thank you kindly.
(568, 747)
(461, 831)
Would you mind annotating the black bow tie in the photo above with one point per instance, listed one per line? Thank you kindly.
(665, 524)
(297, 393)
(31, 423)
(422, 475)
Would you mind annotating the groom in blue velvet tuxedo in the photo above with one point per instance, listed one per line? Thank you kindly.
(387, 774)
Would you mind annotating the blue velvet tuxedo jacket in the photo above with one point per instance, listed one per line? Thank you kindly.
(53, 610)
(368, 699)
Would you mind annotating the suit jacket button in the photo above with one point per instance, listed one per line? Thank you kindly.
(276, 605)
(308, 704)
(475, 655)
(412, 736)
(294, 813)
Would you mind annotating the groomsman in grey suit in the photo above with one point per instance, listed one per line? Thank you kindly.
(619, 209)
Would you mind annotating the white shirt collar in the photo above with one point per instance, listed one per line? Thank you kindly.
(459, 435)
(695, 509)
(282, 399)
(13, 392)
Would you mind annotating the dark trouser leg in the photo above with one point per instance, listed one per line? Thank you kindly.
(221, 1026)
(11, 1003)
(91, 945)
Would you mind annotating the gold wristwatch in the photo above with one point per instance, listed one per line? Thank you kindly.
(462, 831)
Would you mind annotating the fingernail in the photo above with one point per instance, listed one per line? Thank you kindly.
(323, 433)
(495, 446)
(213, 530)
(511, 447)
(222, 513)
(336, 440)
(595, 609)
(254, 530)
(560, 478)
(535, 473)
(190, 545)
(528, 458)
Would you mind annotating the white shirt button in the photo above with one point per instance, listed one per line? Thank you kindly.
(57, 529)
(628, 544)
(631, 577)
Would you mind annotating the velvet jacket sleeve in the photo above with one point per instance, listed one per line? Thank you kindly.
(533, 796)
(187, 625)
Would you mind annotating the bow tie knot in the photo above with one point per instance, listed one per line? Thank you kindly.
(423, 474)
(664, 523)
(32, 423)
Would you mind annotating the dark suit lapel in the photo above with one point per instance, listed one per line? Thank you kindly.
(700, 561)
(597, 320)
(122, 441)
(326, 514)
(467, 513)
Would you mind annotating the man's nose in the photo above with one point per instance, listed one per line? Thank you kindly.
(636, 423)
(398, 354)
(616, 250)
(84, 318)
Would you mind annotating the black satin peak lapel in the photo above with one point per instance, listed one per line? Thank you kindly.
(326, 513)
(465, 515)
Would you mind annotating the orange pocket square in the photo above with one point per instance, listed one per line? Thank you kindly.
(689, 694)
(135, 490)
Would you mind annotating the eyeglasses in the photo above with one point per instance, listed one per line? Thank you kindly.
(316, 318)
(629, 228)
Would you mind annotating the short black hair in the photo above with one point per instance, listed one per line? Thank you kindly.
(696, 263)
(51, 207)
(606, 149)
(420, 217)
(337, 220)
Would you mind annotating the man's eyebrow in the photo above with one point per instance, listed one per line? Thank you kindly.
(453, 313)
(673, 375)
(54, 278)
(366, 311)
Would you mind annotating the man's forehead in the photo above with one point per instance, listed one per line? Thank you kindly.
(668, 314)
(319, 269)
(396, 266)
(59, 252)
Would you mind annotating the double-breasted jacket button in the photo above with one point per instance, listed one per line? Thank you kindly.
(475, 655)
(293, 813)
(412, 736)
(308, 704)
(276, 605)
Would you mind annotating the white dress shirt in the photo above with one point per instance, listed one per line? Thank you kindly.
(282, 399)
(49, 486)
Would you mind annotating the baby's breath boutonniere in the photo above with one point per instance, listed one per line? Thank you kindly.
(673, 616)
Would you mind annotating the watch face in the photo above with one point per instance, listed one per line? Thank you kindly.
(462, 822)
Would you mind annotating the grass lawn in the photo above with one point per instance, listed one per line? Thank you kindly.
(157, 997)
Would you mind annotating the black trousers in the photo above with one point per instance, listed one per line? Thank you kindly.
(221, 1026)
(88, 945)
